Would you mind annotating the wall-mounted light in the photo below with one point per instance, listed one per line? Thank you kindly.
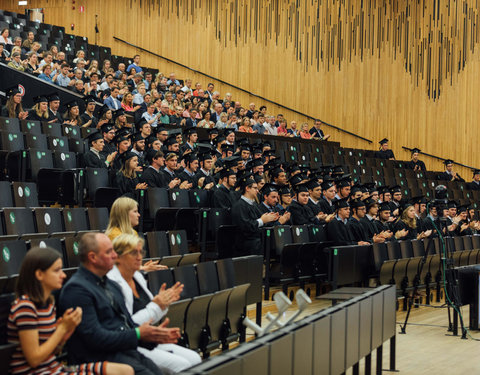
(22, 3)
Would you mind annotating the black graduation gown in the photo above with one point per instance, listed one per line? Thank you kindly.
(153, 178)
(338, 233)
(93, 161)
(184, 176)
(325, 206)
(380, 227)
(314, 207)
(278, 208)
(248, 234)
(473, 186)
(357, 231)
(86, 118)
(57, 117)
(369, 227)
(117, 162)
(411, 165)
(200, 174)
(186, 147)
(428, 224)
(168, 177)
(447, 177)
(466, 232)
(412, 232)
(126, 185)
(108, 148)
(32, 115)
(388, 154)
(223, 197)
(301, 214)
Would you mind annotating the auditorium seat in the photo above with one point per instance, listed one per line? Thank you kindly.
(178, 242)
(75, 219)
(36, 141)
(49, 220)
(52, 129)
(9, 125)
(39, 159)
(6, 198)
(13, 253)
(157, 244)
(71, 250)
(58, 143)
(187, 275)
(18, 221)
(98, 218)
(157, 278)
(12, 141)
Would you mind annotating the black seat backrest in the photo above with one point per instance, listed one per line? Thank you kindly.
(12, 141)
(71, 250)
(157, 198)
(157, 244)
(49, 220)
(98, 218)
(25, 194)
(179, 198)
(467, 242)
(40, 159)
(75, 219)
(406, 249)
(178, 242)
(30, 127)
(226, 273)
(58, 143)
(52, 129)
(199, 198)
(157, 278)
(282, 235)
(317, 233)
(207, 277)
(380, 255)
(6, 198)
(19, 221)
(393, 249)
(13, 253)
(53, 242)
(36, 141)
(187, 275)
(300, 234)
(458, 244)
(5, 304)
(10, 124)
(96, 178)
(64, 160)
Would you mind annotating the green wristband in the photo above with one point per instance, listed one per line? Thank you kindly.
(137, 330)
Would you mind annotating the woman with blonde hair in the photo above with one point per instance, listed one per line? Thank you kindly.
(144, 306)
(39, 111)
(304, 131)
(408, 222)
(124, 216)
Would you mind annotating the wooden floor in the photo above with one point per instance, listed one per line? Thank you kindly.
(426, 348)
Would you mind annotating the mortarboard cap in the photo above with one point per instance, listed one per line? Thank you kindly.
(126, 156)
(118, 113)
(384, 206)
(341, 203)
(415, 150)
(395, 189)
(301, 187)
(136, 137)
(40, 99)
(476, 171)
(245, 180)
(14, 90)
(171, 140)
(225, 172)
(53, 97)
(231, 161)
(89, 99)
(356, 203)
(71, 104)
(312, 184)
(105, 128)
(285, 190)
(327, 185)
(384, 140)
(343, 182)
(448, 161)
(94, 136)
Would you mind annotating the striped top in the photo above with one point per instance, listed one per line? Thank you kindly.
(25, 315)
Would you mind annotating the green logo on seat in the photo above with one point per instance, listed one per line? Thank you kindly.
(6, 254)
(12, 218)
(69, 216)
(39, 155)
(27, 191)
(179, 239)
(75, 248)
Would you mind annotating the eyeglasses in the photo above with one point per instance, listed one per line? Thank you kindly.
(136, 253)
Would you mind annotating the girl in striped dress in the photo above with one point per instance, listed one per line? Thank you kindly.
(32, 322)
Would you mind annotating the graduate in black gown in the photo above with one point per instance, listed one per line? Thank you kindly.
(269, 203)
(408, 222)
(463, 227)
(475, 184)
(152, 174)
(416, 164)
(191, 137)
(191, 167)
(300, 212)
(368, 222)
(88, 117)
(248, 218)
(337, 231)
(108, 132)
(356, 229)
(384, 152)
(53, 105)
(204, 176)
(223, 196)
(123, 142)
(126, 179)
(449, 174)
(328, 196)
(39, 111)
(94, 158)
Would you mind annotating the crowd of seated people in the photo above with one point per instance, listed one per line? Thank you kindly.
(111, 322)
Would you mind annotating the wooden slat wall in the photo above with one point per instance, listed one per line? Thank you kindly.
(402, 69)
